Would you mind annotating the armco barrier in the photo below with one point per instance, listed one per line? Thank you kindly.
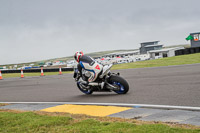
(37, 70)
(187, 51)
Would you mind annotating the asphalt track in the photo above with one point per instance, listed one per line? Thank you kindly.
(173, 85)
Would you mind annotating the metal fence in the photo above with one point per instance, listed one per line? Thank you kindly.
(36, 70)
(187, 51)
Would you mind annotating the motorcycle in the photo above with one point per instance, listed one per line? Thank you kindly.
(105, 82)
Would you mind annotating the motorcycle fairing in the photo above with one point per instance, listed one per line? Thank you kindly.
(92, 69)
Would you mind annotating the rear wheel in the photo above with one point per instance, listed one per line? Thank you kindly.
(84, 89)
(119, 82)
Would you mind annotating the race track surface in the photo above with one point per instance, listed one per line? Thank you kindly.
(173, 85)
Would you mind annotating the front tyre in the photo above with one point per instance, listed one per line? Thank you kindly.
(84, 89)
(121, 83)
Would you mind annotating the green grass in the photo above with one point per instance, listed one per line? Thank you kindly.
(9, 75)
(3, 104)
(30, 122)
(93, 54)
(176, 60)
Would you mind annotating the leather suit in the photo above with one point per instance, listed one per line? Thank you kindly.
(89, 66)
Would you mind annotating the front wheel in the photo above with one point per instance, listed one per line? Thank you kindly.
(121, 83)
(82, 88)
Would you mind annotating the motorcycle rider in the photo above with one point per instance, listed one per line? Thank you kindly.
(88, 64)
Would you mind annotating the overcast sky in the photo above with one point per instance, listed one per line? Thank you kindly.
(32, 30)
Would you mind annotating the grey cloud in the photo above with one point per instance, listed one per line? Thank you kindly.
(42, 29)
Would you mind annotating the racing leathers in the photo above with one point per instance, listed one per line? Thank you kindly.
(89, 67)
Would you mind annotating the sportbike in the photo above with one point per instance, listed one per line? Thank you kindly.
(105, 82)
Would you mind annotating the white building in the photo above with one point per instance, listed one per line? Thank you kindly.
(167, 52)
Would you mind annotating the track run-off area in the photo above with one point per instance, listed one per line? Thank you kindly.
(171, 85)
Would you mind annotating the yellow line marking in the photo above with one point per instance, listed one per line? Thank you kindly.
(91, 110)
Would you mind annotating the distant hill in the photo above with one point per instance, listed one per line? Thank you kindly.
(183, 45)
(93, 54)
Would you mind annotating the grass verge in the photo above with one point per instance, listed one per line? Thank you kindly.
(176, 60)
(9, 75)
(3, 104)
(13, 121)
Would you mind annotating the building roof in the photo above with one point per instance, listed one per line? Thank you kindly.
(194, 33)
(119, 53)
(153, 45)
(165, 49)
(149, 42)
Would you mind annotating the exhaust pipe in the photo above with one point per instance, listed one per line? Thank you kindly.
(93, 84)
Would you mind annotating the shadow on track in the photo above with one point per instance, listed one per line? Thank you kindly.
(100, 95)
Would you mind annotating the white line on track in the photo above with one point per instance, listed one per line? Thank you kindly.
(117, 104)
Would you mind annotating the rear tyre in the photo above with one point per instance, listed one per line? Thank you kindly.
(121, 83)
(86, 91)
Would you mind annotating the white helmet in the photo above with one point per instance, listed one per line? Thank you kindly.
(77, 55)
